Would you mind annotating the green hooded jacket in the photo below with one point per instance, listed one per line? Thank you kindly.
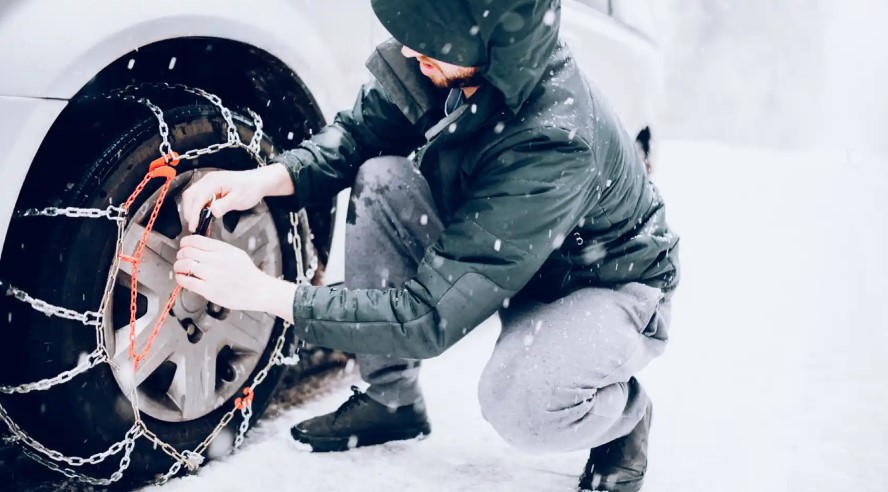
(539, 187)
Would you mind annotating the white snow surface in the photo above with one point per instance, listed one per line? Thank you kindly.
(774, 379)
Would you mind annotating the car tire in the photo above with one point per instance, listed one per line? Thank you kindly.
(91, 412)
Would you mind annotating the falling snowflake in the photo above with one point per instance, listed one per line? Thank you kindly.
(549, 18)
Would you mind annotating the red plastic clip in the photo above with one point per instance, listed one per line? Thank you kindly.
(241, 403)
(171, 159)
(162, 167)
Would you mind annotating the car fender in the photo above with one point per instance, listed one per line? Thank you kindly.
(625, 65)
(55, 47)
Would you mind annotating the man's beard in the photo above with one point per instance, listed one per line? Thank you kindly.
(472, 78)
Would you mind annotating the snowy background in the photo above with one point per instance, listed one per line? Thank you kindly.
(786, 74)
(775, 176)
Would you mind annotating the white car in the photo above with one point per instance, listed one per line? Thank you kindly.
(70, 137)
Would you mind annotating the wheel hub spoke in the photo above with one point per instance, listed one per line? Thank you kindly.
(239, 330)
(169, 338)
(201, 359)
(193, 389)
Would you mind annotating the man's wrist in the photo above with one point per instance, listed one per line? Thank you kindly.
(276, 180)
(276, 297)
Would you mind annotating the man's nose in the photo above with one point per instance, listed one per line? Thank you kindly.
(409, 52)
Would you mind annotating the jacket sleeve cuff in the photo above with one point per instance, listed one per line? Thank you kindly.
(302, 302)
(302, 314)
(296, 168)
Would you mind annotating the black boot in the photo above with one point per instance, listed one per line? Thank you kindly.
(361, 421)
(619, 465)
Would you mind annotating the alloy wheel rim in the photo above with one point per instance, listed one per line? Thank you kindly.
(203, 353)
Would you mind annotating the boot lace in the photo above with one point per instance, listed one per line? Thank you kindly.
(355, 399)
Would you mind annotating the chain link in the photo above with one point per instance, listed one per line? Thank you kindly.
(246, 414)
(88, 318)
(113, 213)
(101, 343)
(190, 459)
(92, 360)
(22, 437)
(173, 471)
(165, 148)
(212, 149)
(255, 146)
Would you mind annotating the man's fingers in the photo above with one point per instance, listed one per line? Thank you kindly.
(203, 243)
(196, 197)
(192, 284)
(192, 253)
(222, 206)
(190, 208)
(188, 267)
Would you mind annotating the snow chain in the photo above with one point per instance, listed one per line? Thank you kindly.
(190, 459)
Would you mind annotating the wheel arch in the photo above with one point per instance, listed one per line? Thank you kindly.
(85, 47)
(254, 79)
(74, 41)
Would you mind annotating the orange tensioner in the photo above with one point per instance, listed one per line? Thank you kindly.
(162, 167)
(241, 403)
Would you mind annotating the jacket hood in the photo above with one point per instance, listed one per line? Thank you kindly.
(509, 40)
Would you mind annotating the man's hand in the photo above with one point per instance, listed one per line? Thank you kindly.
(226, 276)
(234, 190)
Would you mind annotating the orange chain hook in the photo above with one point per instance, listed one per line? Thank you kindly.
(241, 403)
(162, 167)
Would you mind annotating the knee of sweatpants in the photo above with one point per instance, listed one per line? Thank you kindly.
(530, 413)
(552, 419)
(379, 181)
(380, 174)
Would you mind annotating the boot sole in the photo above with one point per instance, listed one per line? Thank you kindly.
(323, 444)
(624, 486)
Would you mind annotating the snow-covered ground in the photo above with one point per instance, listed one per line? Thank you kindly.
(775, 379)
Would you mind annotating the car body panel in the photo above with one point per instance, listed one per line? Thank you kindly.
(622, 62)
(56, 47)
(19, 118)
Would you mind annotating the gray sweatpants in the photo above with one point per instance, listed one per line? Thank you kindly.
(561, 374)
